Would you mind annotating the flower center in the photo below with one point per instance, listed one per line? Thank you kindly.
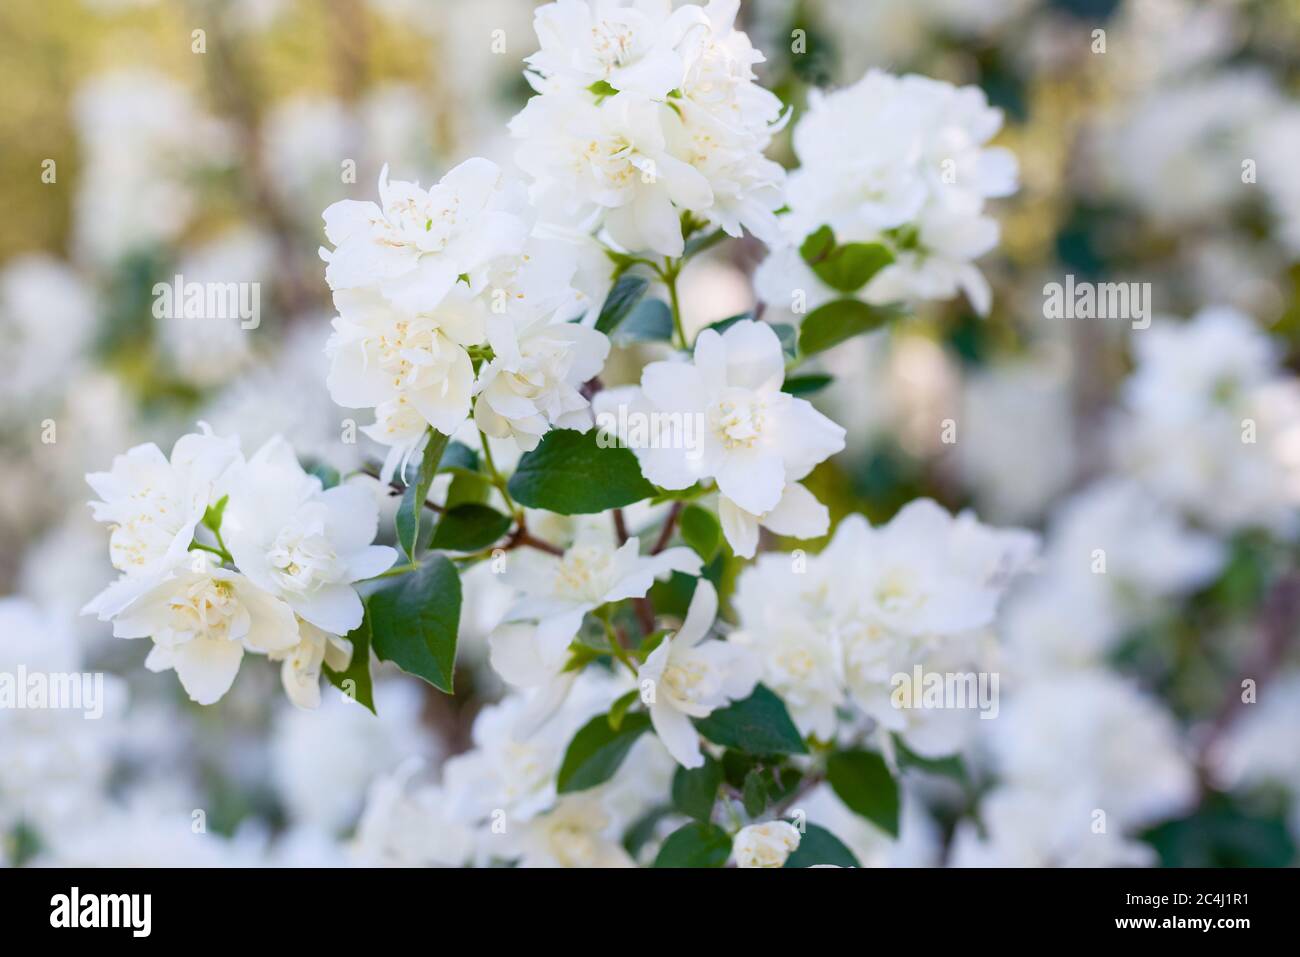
(302, 556)
(583, 573)
(737, 420)
(208, 608)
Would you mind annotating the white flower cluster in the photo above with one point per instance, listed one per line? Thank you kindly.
(900, 161)
(645, 115)
(833, 629)
(1210, 423)
(219, 555)
(424, 278)
(723, 418)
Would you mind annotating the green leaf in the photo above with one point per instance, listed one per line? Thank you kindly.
(571, 474)
(602, 89)
(597, 750)
(458, 457)
(788, 336)
(355, 680)
(618, 710)
(650, 321)
(845, 268)
(950, 766)
(696, 789)
(701, 530)
(833, 323)
(703, 241)
(722, 325)
(644, 829)
(754, 793)
(212, 514)
(328, 475)
(806, 384)
(863, 782)
(695, 845)
(467, 528)
(759, 724)
(468, 488)
(819, 846)
(414, 622)
(627, 292)
(411, 509)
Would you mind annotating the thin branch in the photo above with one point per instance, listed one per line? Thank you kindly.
(666, 533)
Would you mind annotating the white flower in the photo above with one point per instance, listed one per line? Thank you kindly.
(405, 824)
(559, 591)
(512, 770)
(411, 368)
(300, 673)
(765, 845)
(608, 163)
(322, 761)
(201, 619)
(531, 385)
(687, 677)
(1209, 423)
(836, 627)
(900, 161)
(1094, 738)
(797, 514)
(417, 243)
(154, 505)
(645, 114)
(303, 545)
(746, 434)
(629, 47)
(577, 832)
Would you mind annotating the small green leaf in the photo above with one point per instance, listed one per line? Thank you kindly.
(627, 292)
(759, 724)
(722, 325)
(950, 766)
(571, 474)
(703, 241)
(618, 710)
(701, 530)
(355, 680)
(754, 793)
(411, 509)
(597, 750)
(819, 846)
(696, 789)
(468, 488)
(695, 845)
(833, 323)
(212, 514)
(602, 89)
(845, 268)
(650, 321)
(458, 457)
(414, 622)
(467, 528)
(328, 475)
(806, 384)
(788, 336)
(863, 782)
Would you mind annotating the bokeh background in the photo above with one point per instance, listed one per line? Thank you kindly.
(132, 148)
